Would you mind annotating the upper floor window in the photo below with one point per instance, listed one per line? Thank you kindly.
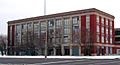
(50, 23)
(106, 21)
(75, 20)
(43, 26)
(102, 38)
(106, 30)
(98, 38)
(102, 30)
(106, 38)
(10, 28)
(97, 20)
(24, 26)
(103, 21)
(29, 25)
(98, 30)
(66, 22)
(111, 39)
(110, 31)
(111, 23)
(58, 22)
(87, 22)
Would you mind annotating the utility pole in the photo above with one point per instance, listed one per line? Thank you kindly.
(46, 30)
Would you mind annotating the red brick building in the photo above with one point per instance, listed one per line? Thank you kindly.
(81, 32)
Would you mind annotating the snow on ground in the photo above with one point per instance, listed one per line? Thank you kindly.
(66, 57)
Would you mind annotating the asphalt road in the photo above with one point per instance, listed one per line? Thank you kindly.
(41, 61)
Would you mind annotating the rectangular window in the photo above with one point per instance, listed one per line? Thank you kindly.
(29, 26)
(58, 23)
(66, 31)
(66, 39)
(111, 32)
(18, 34)
(43, 26)
(102, 39)
(66, 22)
(111, 39)
(111, 23)
(24, 26)
(106, 21)
(107, 52)
(88, 22)
(106, 38)
(98, 30)
(106, 30)
(97, 20)
(102, 30)
(75, 20)
(103, 21)
(51, 23)
(10, 35)
(111, 50)
(98, 38)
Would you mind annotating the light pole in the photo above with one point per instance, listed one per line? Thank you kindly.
(46, 30)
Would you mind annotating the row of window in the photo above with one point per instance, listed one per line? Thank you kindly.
(103, 29)
(108, 50)
(51, 28)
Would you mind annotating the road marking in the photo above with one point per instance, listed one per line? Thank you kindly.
(104, 63)
(58, 62)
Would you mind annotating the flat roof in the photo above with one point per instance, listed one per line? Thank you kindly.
(62, 14)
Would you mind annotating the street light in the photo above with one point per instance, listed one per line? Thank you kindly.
(46, 30)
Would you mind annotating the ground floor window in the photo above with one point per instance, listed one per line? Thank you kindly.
(75, 51)
(66, 51)
(98, 51)
(102, 50)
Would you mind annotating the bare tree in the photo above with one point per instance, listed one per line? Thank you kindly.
(87, 40)
(3, 42)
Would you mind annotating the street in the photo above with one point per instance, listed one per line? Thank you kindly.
(42, 61)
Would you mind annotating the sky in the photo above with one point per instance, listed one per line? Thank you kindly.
(19, 9)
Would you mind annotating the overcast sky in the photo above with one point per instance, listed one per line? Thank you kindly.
(19, 9)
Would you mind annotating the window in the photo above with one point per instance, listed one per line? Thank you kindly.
(50, 23)
(106, 30)
(111, 23)
(102, 39)
(117, 32)
(98, 38)
(10, 35)
(102, 30)
(98, 50)
(107, 52)
(43, 26)
(66, 31)
(111, 50)
(98, 29)
(66, 39)
(58, 22)
(24, 26)
(87, 22)
(75, 20)
(29, 24)
(102, 50)
(58, 40)
(106, 21)
(97, 20)
(110, 31)
(117, 38)
(66, 21)
(106, 38)
(103, 21)
(18, 34)
(111, 39)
